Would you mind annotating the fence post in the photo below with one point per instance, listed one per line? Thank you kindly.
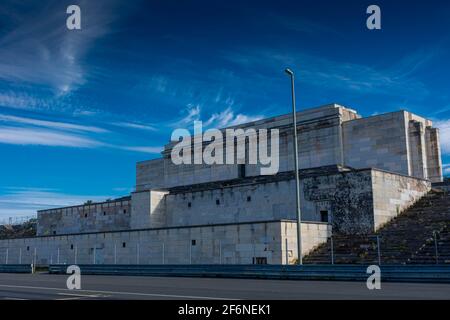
(287, 250)
(254, 253)
(220, 252)
(7, 253)
(57, 257)
(35, 256)
(76, 253)
(115, 253)
(95, 251)
(379, 250)
(137, 253)
(163, 253)
(332, 249)
(190, 253)
(436, 254)
(20, 255)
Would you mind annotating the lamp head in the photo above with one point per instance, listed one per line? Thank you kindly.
(289, 72)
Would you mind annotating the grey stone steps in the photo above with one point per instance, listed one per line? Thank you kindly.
(406, 239)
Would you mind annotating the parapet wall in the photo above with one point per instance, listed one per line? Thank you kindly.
(393, 194)
(227, 244)
(105, 216)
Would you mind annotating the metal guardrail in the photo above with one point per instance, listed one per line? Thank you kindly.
(16, 268)
(416, 273)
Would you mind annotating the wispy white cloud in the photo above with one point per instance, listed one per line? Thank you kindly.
(395, 80)
(143, 149)
(223, 119)
(39, 49)
(228, 118)
(44, 137)
(49, 124)
(26, 201)
(27, 131)
(190, 114)
(446, 169)
(133, 125)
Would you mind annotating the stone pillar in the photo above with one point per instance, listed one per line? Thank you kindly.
(417, 150)
(148, 209)
(434, 160)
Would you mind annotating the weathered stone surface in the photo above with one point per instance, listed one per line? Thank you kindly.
(228, 244)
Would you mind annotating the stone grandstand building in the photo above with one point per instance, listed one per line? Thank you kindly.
(356, 175)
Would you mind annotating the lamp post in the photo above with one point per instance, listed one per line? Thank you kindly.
(297, 179)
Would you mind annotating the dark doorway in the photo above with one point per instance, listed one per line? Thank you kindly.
(324, 215)
(241, 171)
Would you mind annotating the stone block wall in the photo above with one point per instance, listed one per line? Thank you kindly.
(313, 235)
(227, 244)
(320, 141)
(148, 209)
(377, 142)
(399, 142)
(347, 196)
(241, 203)
(106, 216)
(392, 194)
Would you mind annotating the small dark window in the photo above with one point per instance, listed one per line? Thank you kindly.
(194, 242)
(260, 260)
(324, 216)
(249, 199)
(124, 244)
(241, 171)
(217, 201)
(189, 204)
(71, 247)
(54, 232)
(85, 215)
(104, 213)
(124, 210)
(28, 248)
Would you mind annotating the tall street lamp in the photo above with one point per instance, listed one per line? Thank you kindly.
(297, 179)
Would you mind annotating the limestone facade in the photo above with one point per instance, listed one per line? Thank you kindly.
(356, 175)
(240, 243)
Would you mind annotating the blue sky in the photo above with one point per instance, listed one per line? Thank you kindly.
(79, 108)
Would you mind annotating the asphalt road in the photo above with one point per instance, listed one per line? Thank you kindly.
(53, 287)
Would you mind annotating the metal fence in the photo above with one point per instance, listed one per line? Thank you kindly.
(376, 249)
(364, 250)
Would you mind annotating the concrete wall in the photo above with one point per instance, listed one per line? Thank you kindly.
(399, 142)
(148, 209)
(106, 216)
(347, 196)
(313, 235)
(229, 244)
(392, 194)
(250, 202)
(377, 142)
(353, 201)
(319, 139)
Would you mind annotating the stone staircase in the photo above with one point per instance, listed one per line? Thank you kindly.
(407, 239)
(427, 253)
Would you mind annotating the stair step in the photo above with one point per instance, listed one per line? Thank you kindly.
(408, 238)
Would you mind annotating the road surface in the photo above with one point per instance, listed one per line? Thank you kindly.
(53, 287)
